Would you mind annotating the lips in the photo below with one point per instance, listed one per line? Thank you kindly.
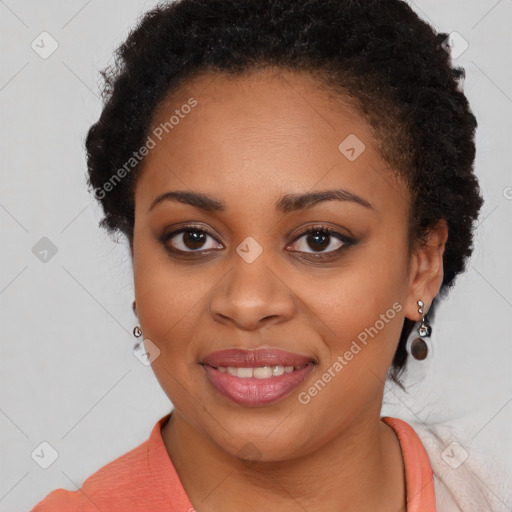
(240, 358)
(256, 378)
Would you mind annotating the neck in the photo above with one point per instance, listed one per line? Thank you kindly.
(360, 469)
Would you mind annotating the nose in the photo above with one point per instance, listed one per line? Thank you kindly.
(252, 295)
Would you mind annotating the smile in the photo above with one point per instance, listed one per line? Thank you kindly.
(258, 372)
(256, 377)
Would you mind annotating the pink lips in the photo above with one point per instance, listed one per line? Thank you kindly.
(252, 391)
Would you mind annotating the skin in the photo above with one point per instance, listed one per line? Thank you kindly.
(250, 140)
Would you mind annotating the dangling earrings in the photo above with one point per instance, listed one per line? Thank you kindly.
(418, 347)
(424, 329)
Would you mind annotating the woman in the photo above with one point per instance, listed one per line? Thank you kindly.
(295, 180)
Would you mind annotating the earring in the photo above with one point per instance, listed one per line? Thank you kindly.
(424, 329)
(137, 331)
(418, 347)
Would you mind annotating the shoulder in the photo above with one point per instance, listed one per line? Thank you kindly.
(119, 484)
(418, 473)
(122, 476)
(460, 472)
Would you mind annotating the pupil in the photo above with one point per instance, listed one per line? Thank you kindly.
(320, 240)
(195, 238)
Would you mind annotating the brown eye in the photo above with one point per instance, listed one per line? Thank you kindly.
(193, 239)
(320, 239)
(189, 239)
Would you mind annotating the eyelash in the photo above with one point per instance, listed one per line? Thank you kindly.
(347, 242)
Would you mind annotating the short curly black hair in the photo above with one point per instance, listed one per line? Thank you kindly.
(380, 53)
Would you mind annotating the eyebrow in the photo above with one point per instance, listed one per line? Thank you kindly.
(285, 204)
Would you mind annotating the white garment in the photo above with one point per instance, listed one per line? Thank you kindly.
(464, 480)
(461, 488)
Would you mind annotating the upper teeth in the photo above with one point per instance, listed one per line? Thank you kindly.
(260, 372)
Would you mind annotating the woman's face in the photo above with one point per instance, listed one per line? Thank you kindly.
(246, 277)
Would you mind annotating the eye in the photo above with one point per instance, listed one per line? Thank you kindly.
(189, 239)
(194, 239)
(320, 238)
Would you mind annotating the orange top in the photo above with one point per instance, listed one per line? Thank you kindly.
(418, 473)
(145, 479)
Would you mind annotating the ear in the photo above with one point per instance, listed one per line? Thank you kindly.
(426, 270)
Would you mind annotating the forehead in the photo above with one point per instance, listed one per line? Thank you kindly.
(261, 135)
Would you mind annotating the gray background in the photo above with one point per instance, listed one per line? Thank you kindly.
(68, 374)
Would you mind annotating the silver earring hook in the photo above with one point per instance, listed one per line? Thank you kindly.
(424, 329)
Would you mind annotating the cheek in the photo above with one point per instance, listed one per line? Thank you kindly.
(170, 302)
(168, 294)
(361, 313)
(169, 299)
(361, 307)
(358, 299)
